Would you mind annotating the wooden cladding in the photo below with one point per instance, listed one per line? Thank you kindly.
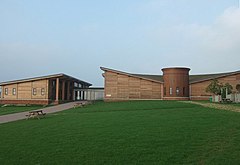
(27, 90)
(120, 86)
(176, 84)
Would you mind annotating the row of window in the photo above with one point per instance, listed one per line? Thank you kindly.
(171, 91)
(34, 91)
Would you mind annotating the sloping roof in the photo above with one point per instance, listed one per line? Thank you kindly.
(205, 77)
(60, 75)
(154, 78)
(159, 78)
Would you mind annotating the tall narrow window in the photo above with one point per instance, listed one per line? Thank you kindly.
(177, 91)
(43, 91)
(34, 91)
(165, 91)
(14, 91)
(170, 91)
(183, 91)
(6, 91)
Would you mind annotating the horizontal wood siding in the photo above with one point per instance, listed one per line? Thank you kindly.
(111, 85)
(24, 90)
(146, 89)
(134, 88)
(124, 87)
(10, 91)
(39, 85)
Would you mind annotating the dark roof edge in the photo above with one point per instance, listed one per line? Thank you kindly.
(219, 76)
(42, 77)
(128, 74)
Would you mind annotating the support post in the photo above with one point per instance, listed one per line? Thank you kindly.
(78, 95)
(68, 90)
(63, 90)
(57, 90)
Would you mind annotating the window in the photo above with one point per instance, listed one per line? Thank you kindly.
(34, 91)
(183, 91)
(165, 92)
(177, 91)
(6, 91)
(75, 84)
(14, 91)
(43, 91)
(170, 91)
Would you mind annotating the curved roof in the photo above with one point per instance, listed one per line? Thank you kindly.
(192, 78)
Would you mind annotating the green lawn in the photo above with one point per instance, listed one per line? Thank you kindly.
(16, 109)
(138, 132)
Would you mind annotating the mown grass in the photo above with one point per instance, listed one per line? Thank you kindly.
(140, 132)
(15, 109)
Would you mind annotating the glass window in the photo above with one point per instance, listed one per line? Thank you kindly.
(75, 84)
(170, 91)
(43, 91)
(6, 91)
(177, 91)
(165, 91)
(14, 91)
(183, 91)
(34, 91)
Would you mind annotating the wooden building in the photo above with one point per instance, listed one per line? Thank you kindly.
(174, 84)
(41, 90)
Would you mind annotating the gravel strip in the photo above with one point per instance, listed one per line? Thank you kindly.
(228, 107)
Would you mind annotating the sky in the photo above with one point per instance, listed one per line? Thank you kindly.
(76, 37)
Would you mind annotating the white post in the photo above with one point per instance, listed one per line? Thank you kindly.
(78, 95)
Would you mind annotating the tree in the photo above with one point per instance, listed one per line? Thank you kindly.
(238, 88)
(214, 87)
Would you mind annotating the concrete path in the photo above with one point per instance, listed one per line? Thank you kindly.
(47, 110)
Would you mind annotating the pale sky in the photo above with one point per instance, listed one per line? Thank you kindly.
(76, 37)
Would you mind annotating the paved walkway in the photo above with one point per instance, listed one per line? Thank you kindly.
(47, 110)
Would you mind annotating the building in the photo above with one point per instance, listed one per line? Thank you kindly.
(174, 84)
(49, 89)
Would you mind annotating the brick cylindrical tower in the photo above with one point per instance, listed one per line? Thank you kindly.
(176, 83)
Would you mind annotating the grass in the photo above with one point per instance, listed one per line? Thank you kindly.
(15, 109)
(139, 132)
